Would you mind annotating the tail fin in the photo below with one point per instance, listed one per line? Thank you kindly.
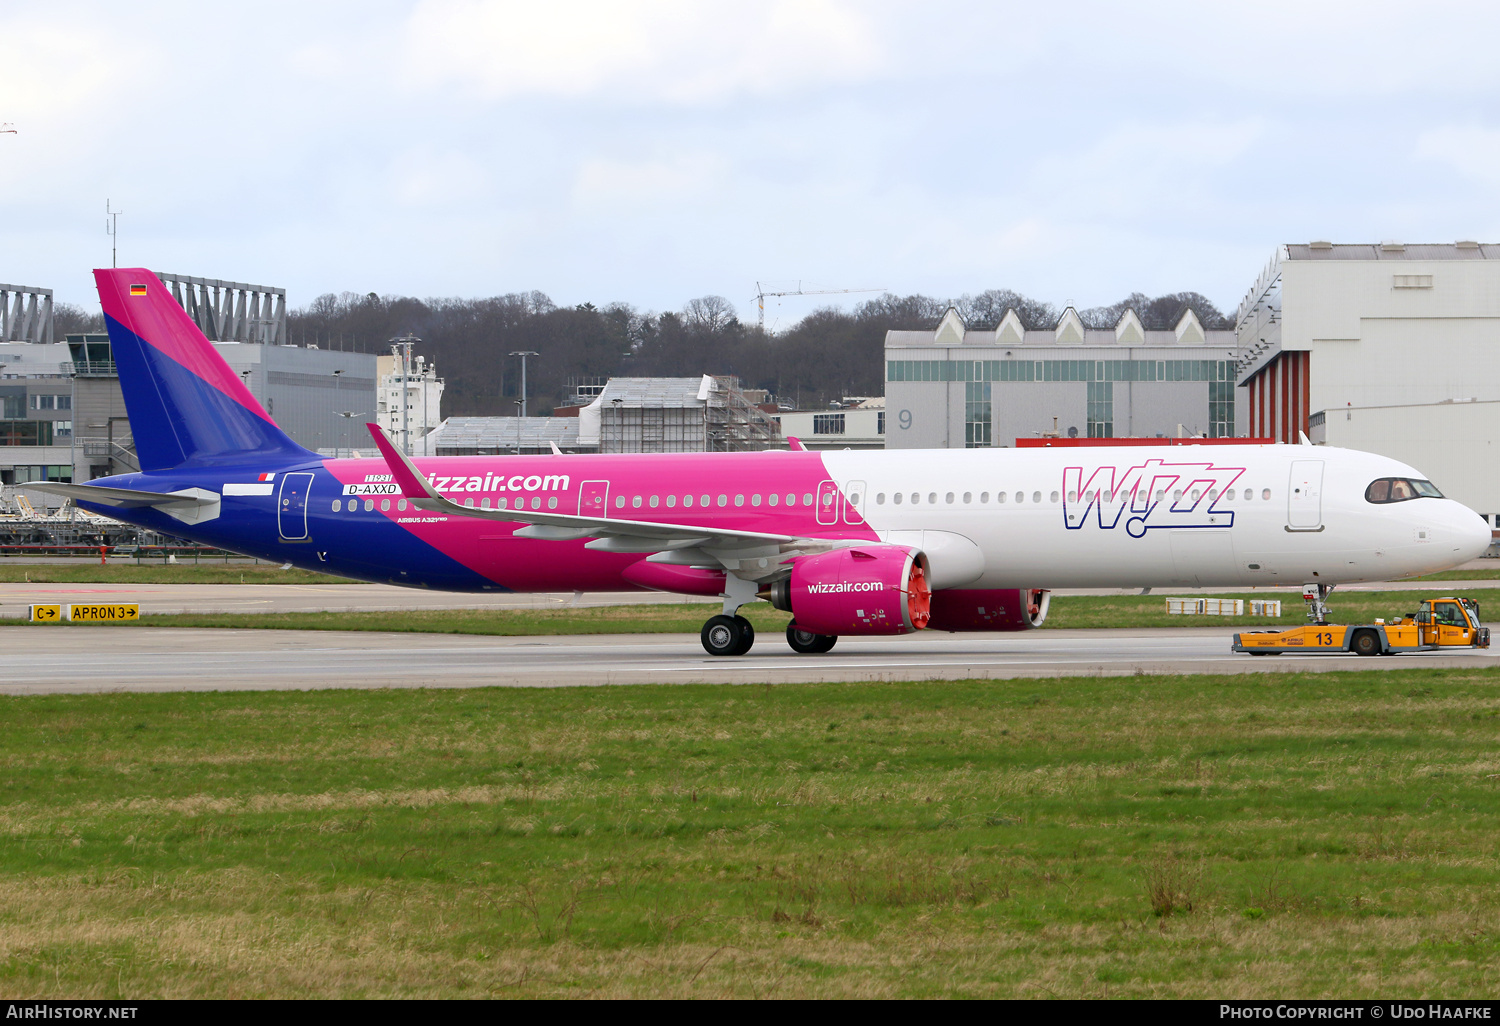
(184, 402)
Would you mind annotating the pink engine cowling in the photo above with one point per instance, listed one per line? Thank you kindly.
(866, 589)
(999, 609)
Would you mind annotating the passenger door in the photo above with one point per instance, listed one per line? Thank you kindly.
(291, 506)
(593, 499)
(1304, 496)
(828, 503)
(854, 502)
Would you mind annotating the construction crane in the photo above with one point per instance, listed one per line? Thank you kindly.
(761, 292)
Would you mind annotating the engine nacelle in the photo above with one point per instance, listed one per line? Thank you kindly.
(999, 609)
(866, 589)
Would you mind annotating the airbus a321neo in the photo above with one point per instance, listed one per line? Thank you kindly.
(851, 543)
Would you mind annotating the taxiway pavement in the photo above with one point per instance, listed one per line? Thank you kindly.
(120, 658)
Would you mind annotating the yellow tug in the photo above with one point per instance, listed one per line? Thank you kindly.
(1439, 623)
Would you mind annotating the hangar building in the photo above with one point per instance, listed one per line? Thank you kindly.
(953, 388)
(1388, 348)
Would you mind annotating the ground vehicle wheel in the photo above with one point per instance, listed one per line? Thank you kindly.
(807, 643)
(722, 635)
(747, 635)
(1365, 643)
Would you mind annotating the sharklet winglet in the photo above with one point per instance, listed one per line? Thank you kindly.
(413, 484)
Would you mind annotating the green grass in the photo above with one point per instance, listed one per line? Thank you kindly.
(1150, 610)
(159, 573)
(1333, 834)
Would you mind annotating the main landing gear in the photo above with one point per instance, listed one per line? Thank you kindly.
(806, 642)
(727, 635)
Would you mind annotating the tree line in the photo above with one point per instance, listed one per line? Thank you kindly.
(828, 355)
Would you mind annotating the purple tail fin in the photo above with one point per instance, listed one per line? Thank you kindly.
(185, 404)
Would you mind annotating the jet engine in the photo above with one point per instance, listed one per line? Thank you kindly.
(996, 609)
(866, 589)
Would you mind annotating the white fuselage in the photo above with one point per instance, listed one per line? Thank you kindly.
(1148, 516)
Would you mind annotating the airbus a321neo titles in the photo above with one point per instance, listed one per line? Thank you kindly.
(851, 543)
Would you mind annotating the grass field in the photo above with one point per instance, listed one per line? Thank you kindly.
(178, 573)
(1288, 835)
(1066, 612)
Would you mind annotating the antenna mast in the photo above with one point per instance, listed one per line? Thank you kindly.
(112, 229)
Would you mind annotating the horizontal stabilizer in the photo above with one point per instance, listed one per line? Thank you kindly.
(127, 498)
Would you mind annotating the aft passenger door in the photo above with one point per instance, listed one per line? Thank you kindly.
(291, 506)
(1304, 496)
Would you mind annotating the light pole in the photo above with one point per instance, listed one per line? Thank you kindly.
(336, 404)
(523, 353)
(520, 407)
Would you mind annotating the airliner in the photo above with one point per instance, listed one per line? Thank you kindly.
(850, 543)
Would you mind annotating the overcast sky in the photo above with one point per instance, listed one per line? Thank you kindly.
(656, 151)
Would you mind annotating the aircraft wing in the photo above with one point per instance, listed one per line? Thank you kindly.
(684, 544)
(126, 498)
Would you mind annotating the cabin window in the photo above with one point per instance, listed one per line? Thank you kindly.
(501, 503)
(984, 497)
(739, 500)
(755, 499)
(636, 502)
(916, 497)
(536, 502)
(880, 498)
(896, 498)
(948, 498)
(806, 499)
(999, 496)
(552, 501)
(968, 498)
(671, 502)
(703, 500)
(619, 502)
(772, 499)
(1265, 493)
(655, 502)
(1036, 496)
(353, 505)
(369, 505)
(1020, 496)
(1054, 496)
(932, 498)
(385, 505)
(401, 504)
(687, 502)
(338, 504)
(723, 500)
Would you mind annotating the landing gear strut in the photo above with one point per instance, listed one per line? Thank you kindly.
(1316, 596)
(730, 634)
(806, 642)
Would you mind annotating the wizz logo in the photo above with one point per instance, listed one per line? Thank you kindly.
(1152, 495)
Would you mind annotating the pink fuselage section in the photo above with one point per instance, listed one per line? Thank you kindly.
(774, 492)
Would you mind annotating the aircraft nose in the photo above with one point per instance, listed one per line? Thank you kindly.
(1471, 534)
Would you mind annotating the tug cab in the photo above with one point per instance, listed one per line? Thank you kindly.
(1439, 623)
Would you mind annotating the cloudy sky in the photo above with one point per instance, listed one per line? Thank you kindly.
(659, 150)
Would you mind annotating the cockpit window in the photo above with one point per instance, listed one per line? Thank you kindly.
(1400, 489)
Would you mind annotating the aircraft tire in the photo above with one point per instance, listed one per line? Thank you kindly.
(747, 635)
(807, 643)
(722, 636)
